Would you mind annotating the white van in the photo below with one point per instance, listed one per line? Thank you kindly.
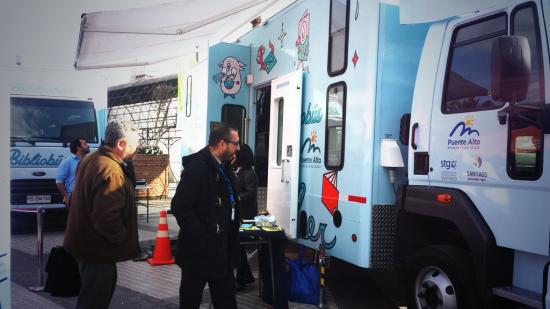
(42, 128)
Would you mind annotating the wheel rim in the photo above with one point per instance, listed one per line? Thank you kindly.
(433, 289)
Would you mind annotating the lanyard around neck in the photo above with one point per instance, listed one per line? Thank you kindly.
(229, 186)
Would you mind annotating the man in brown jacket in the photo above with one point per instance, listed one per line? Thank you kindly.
(102, 227)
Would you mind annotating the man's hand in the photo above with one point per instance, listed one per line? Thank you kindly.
(66, 196)
(67, 201)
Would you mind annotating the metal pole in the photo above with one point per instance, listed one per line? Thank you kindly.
(322, 276)
(40, 249)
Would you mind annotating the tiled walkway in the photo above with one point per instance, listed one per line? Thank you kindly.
(139, 285)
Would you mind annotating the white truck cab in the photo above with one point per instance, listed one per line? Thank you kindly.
(475, 213)
(41, 129)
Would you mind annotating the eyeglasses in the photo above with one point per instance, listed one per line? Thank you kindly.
(232, 142)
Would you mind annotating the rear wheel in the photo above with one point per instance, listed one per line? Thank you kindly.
(441, 277)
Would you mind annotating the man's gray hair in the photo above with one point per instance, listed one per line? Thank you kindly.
(117, 130)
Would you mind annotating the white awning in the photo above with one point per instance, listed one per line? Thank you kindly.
(143, 36)
(423, 11)
(148, 35)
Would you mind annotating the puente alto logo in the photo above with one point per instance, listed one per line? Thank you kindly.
(311, 153)
(310, 142)
(464, 136)
(465, 127)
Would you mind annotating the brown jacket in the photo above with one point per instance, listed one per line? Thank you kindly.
(102, 224)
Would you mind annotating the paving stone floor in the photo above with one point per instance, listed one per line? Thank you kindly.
(139, 285)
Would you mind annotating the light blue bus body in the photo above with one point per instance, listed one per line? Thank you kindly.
(379, 90)
(346, 201)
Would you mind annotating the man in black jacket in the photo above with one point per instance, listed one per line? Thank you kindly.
(205, 206)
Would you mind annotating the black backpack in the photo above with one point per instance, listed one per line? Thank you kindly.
(63, 274)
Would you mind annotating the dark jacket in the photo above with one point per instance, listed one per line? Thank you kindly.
(102, 224)
(247, 186)
(207, 239)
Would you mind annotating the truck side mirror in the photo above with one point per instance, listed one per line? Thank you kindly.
(510, 68)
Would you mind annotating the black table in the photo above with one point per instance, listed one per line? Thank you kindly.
(273, 286)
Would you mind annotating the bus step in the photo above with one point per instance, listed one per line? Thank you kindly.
(522, 296)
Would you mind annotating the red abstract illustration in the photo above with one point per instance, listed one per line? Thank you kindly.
(330, 193)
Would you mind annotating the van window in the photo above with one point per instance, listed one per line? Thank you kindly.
(338, 37)
(468, 79)
(525, 23)
(52, 120)
(235, 115)
(525, 141)
(335, 126)
(524, 149)
(261, 153)
(280, 121)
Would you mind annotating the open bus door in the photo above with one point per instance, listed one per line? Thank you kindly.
(284, 150)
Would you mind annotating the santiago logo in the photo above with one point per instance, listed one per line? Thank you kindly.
(463, 136)
(477, 174)
(478, 162)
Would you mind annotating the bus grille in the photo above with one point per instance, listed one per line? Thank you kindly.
(20, 188)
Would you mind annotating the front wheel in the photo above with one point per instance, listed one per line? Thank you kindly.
(441, 277)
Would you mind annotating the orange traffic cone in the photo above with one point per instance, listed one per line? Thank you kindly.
(162, 254)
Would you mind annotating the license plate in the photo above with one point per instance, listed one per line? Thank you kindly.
(39, 199)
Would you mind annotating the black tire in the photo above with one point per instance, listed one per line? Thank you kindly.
(441, 277)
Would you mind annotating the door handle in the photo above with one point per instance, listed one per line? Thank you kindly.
(287, 165)
(283, 170)
(284, 164)
(413, 136)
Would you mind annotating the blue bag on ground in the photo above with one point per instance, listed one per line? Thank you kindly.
(303, 280)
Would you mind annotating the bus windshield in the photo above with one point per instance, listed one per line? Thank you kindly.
(52, 120)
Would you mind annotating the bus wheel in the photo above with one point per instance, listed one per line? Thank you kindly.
(441, 277)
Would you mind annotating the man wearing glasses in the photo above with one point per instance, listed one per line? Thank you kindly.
(205, 206)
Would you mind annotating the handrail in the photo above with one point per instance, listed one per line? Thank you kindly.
(39, 242)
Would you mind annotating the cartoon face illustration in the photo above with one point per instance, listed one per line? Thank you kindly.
(230, 76)
(302, 43)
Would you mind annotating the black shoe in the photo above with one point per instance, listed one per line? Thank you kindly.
(246, 280)
(239, 286)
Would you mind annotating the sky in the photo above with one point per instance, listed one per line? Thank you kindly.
(39, 40)
(42, 36)
(45, 33)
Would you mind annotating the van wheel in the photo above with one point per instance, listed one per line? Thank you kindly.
(441, 277)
